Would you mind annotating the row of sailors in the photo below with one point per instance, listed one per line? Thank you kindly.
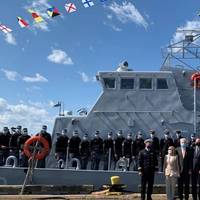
(120, 146)
(12, 142)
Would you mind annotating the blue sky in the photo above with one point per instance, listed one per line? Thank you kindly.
(58, 60)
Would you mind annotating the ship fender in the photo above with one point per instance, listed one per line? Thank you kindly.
(11, 161)
(77, 161)
(38, 144)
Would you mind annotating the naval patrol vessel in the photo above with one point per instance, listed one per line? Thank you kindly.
(130, 101)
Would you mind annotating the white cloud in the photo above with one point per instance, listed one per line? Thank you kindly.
(10, 75)
(60, 57)
(37, 78)
(189, 25)
(29, 116)
(127, 12)
(10, 39)
(85, 78)
(13, 76)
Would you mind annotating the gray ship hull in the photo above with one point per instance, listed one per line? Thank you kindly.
(68, 177)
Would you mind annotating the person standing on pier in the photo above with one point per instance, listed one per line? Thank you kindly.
(171, 171)
(148, 164)
(196, 169)
(184, 156)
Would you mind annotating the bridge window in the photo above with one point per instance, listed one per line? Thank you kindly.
(127, 83)
(146, 83)
(109, 83)
(162, 83)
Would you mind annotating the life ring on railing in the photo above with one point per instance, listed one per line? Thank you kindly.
(196, 77)
(41, 152)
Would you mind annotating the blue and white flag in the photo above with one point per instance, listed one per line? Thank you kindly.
(87, 3)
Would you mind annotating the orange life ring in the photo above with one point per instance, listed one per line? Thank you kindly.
(195, 76)
(32, 141)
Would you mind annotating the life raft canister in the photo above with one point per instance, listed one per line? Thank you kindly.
(32, 142)
(196, 77)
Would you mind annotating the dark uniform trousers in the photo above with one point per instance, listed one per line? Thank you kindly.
(118, 148)
(96, 152)
(108, 146)
(127, 148)
(185, 167)
(148, 163)
(147, 178)
(84, 153)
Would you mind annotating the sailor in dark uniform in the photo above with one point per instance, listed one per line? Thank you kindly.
(23, 159)
(61, 146)
(108, 147)
(118, 145)
(192, 141)
(13, 144)
(127, 149)
(84, 149)
(155, 141)
(47, 136)
(4, 145)
(148, 164)
(165, 143)
(74, 143)
(177, 139)
(96, 151)
(138, 145)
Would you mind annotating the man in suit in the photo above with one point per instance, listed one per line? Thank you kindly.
(148, 164)
(196, 169)
(184, 157)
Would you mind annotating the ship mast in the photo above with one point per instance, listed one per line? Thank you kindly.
(185, 54)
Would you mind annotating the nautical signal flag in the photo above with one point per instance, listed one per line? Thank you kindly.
(87, 3)
(70, 7)
(22, 22)
(53, 12)
(35, 16)
(5, 29)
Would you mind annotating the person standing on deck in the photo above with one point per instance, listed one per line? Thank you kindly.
(96, 151)
(47, 136)
(23, 159)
